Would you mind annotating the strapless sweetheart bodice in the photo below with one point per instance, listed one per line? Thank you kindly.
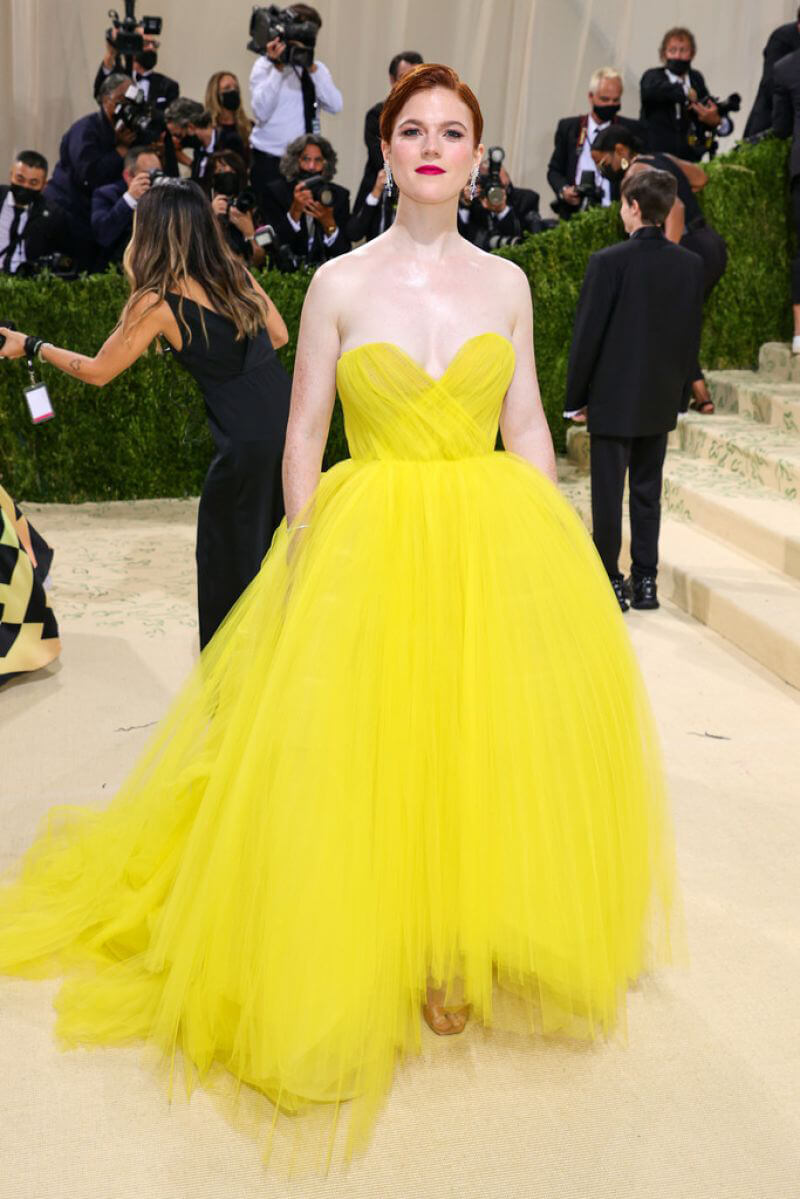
(393, 409)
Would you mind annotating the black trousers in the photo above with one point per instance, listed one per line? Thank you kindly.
(241, 506)
(796, 259)
(643, 458)
(263, 170)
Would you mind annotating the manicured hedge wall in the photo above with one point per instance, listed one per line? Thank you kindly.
(145, 435)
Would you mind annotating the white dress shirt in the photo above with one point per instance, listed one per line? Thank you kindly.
(587, 163)
(276, 101)
(328, 238)
(6, 219)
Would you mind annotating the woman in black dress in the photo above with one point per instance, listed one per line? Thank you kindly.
(616, 151)
(190, 290)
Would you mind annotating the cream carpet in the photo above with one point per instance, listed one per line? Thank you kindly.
(702, 1101)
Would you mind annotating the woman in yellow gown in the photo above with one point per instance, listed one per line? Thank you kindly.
(416, 761)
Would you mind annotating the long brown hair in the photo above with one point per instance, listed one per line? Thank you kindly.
(176, 238)
(241, 121)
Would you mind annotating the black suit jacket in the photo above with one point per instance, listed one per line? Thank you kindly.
(277, 202)
(667, 128)
(782, 41)
(112, 220)
(372, 140)
(162, 90)
(45, 228)
(786, 105)
(567, 147)
(87, 159)
(365, 220)
(637, 336)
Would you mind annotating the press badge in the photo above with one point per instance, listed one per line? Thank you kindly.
(38, 402)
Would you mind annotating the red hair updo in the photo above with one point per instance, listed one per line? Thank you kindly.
(422, 78)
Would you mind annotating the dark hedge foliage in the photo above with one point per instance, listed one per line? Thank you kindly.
(145, 434)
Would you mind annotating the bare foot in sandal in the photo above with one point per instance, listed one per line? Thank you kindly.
(445, 1022)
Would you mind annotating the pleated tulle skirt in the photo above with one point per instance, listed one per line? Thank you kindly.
(418, 749)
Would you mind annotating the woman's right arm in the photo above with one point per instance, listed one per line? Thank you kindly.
(115, 355)
(313, 391)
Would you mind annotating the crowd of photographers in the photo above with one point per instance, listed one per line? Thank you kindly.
(271, 179)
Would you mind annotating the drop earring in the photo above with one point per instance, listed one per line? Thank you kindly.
(623, 162)
(389, 180)
(473, 183)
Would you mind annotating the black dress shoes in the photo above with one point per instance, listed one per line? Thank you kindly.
(621, 593)
(643, 592)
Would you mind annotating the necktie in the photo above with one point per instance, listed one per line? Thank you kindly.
(309, 101)
(13, 238)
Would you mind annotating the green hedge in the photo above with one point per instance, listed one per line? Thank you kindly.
(145, 434)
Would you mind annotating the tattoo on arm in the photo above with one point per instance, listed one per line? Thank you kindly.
(75, 365)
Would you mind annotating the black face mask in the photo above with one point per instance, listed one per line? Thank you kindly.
(678, 66)
(308, 174)
(230, 100)
(608, 172)
(23, 196)
(606, 112)
(147, 59)
(190, 141)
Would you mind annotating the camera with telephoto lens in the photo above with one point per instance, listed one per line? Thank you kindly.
(226, 183)
(60, 265)
(124, 33)
(156, 175)
(590, 192)
(725, 107)
(134, 113)
(320, 189)
(268, 23)
(281, 256)
(490, 185)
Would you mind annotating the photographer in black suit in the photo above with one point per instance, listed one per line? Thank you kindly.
(159, 90)
(786, 123)
(30, 227)
(91, 154)
(400, 65)
(678, 114)
(634, 348)
(782, 41)
(308, 211)
(499, 213)
(574, 139)
(114, 204)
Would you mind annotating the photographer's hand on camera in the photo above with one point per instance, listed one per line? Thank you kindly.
(301, 197)
(707, 113)
(571, 195)
(138, 185)
(323, 214)
(274, 52)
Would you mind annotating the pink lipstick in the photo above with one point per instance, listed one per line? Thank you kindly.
(429, 170)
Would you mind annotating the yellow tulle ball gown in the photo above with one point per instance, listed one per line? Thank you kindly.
(418, 749)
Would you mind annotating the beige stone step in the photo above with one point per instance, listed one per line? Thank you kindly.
(758, 520)
(754, 607)
(752, 397)
(760, 453)
(777, 362)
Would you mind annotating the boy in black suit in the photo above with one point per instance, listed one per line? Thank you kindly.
(634, 347)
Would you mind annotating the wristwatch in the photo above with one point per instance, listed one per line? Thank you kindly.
(332, 229)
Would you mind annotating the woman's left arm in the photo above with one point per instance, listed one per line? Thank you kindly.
(523, 424)
(115, 355)
(276, 326)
